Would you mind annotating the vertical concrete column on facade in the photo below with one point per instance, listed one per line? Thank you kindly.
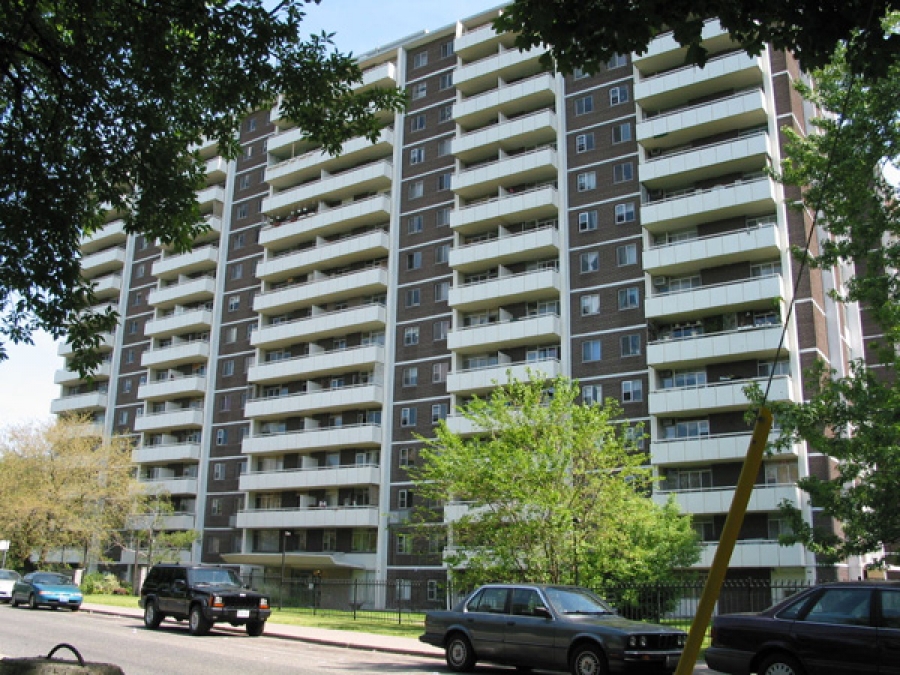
(118, 339)
(562, 224)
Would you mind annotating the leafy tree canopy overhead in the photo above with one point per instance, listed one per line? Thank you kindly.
(586, 33)
(101, 104)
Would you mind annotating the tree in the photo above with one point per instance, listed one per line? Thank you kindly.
(852, 418)
(62, 487)
(587, 33)
(101, 106)
(555, 490)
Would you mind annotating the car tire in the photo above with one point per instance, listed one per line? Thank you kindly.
(255, 628)
(152, 617)
(198, 624)
(75, 608)
(588, 660)
(459, 654)
(13, 602)
(32, 601)
(780, 664)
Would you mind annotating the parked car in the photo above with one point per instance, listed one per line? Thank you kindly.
(562, 628)
(849, 627)
(203, 595)
(8, 579)
(46, 589)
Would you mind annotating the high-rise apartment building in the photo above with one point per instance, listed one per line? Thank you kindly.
(618, 228)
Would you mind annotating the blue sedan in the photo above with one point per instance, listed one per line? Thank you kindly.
(48, 589)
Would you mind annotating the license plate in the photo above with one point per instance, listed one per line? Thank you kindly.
(63, 598)
(243, 614)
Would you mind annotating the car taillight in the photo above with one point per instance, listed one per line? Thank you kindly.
(264, 603)
(216, 601)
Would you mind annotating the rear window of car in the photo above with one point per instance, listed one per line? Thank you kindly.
(9, 574)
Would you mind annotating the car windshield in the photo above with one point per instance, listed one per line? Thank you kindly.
(215, 577)
(55, 579)
(577, 601)
(9, 574)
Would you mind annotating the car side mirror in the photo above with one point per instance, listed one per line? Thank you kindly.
(542, 612)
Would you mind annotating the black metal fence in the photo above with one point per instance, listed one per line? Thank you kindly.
(405, 602)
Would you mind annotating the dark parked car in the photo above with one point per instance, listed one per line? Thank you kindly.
(47, 589)
(848, 628)
(550, 627)
(203, 595)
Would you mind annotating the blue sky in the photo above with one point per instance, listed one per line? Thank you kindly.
(26, 378)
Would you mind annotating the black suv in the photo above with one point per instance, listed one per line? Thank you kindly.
(204, 596)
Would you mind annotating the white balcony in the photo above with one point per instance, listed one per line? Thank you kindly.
(510, 100)
(481, 41)
(322, 290)
(103, 262)
(185, 264)
(684, 208)
(507, 65)
(479, 380)
(536, 204)
(747, 245)
(178, 522)
(531, 130)
(175, 387)
(176, 418)
(733, 71)
(534, 166)
(166, 452)
(195, 320)
(109, 235)
(372, 177)
(680, 125)
(343, 398)
(216, 170)
(187, 292)
(310, 517)
(382, 75)
(340, 253)
(107, 340)
(65, 376)
(344, 218)
(714, 397)
(314, 365)
(177, 354)
(211, 196)
(108, 287)
(757, 554)
(326, 324)
(751, 343)
(524, 287)
(763, 499)
(734, 296)
(313, 165)
(462, 426)
(93, 401)
(172, 486)
(305, 479)
(290, 142)
(543, 329)
(706, 449)
(310, 440)
(664, 52)
(506, 249)
(738, 155)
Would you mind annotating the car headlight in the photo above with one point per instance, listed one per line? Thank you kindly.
(682, 640)
(637, 641)
(216, 601)
(264, 603)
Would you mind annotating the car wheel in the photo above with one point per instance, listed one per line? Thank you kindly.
(255, 628)
(75, 608)
(13, 601)
(199, 625)
(588, 660)
(780, 664)
(152, 617)
(32, 601)
(460, 655)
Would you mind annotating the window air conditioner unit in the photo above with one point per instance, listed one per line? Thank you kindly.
(660, 281)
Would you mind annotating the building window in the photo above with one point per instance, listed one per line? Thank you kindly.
(416, 189)
(626, 255)
(244, 183)
(584, 105)
(439, 412)
(237, 270)
(618, 95)
(439, 330)
(442, 218)
(629, 298)
(417, 123)
(621, 133)
(445, 145)
(403, 458)
(221, 436)
(445, 114)
(404, 547)
(420, 60)
(411, 336)
(441, 254)
(140, 271)
(215, 506)
(407, 417)
(414, 224)
(636, 436)
(242, 210)
(587, 221)
(617, 61)
(591, 350)
(404, 499)
(132, 327)
(228, 368)
(126, 385)
(632, 391)
(444, 181)
(413, 297)
(129, 356)
(590, 262)
(590, 304)
(625, 213)
(584, 142)
(432, 590)
(446, 81)
(416, 155)
(414, 260)
(623, 172)
(447, 50)
(442, 291)
(251, 124)
(225, 403)
(123, 417)
(631, 345)
(419, 91)
(411, 376)
(234, 303)
(586, 181)
(219, 468)
(592, 393)
(439, 372)
(231, 335)
(580, 74)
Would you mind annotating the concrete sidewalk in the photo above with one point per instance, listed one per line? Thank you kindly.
(325, 636)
